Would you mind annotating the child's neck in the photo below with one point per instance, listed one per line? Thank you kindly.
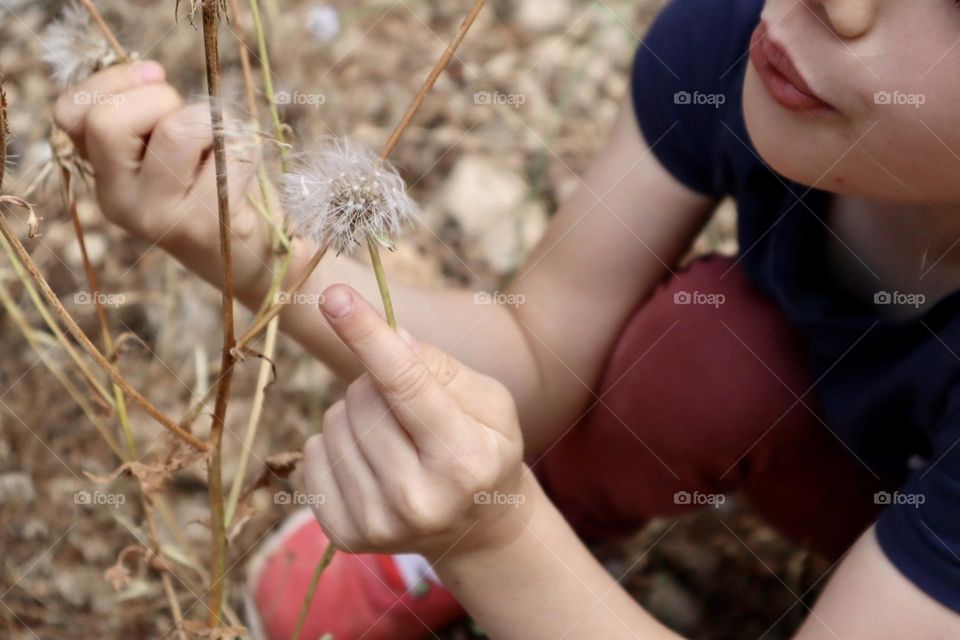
(910, 249)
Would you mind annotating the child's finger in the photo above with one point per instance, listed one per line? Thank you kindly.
(176, 149)
(356, 481)
(386, 446)
(327, 501)
(115, 133)
(416, 398)
(73, 105)
(482, 398)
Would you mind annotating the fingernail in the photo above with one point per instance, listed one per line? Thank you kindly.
(406, 337)
(337, 302)
(149, 71)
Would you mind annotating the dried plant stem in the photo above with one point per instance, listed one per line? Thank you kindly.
(211, 11)
(253, 332)
(74, 330)
(43, 354)
(264, 55)
(101, 392)
(105, 30)
(93, 283)
(256, 411)
(281, 264)
(328, 554)
(432, 78)
(4, 130)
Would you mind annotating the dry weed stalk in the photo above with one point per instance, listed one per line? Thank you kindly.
(74, 330)
(93, 284)
(211, 10)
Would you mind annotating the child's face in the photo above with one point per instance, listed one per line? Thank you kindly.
(887, 75)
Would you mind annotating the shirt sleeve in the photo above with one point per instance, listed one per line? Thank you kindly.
(920, 531)
(687, 78)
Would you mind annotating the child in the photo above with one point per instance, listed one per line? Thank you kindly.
(817, 372)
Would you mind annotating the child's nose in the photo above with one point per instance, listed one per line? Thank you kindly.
(850, 18)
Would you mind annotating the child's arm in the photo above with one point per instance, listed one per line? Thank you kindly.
(402, 460)
(624, 228)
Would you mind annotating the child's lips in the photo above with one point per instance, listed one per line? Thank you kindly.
(781, 77)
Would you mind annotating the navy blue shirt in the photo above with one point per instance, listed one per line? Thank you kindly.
(889, 389)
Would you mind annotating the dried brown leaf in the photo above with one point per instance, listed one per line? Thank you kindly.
(33, 220)
(150, 477)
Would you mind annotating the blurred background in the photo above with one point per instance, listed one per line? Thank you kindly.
(497, 145)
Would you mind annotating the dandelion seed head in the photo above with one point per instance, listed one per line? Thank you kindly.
(344, 193)
(74, 47)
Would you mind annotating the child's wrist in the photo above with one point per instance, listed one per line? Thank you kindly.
(517, 508)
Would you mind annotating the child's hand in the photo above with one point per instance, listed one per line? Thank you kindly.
(422, 455)
(155, 173)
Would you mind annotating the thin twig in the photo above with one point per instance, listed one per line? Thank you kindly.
(4, 130)
(264, 55)
(432, 78)
(43, 353)
(280, 263)
(93, 283)
(105, 30)
(74, 330)
(211, 14)
(328, 554)
(253, 332)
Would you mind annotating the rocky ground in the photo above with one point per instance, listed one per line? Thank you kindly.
(496, 146)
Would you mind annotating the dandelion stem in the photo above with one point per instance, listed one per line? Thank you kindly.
(105, 30)
(211, 11)
(382, 282)
(328, 554)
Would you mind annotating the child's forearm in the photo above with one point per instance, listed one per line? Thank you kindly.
(544, 584)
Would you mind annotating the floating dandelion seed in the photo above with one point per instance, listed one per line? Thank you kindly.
(344, 194)
(74, 47)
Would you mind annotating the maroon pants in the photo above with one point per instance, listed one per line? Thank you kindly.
(708, 392)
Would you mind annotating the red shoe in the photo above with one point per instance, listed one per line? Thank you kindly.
(362, 596)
